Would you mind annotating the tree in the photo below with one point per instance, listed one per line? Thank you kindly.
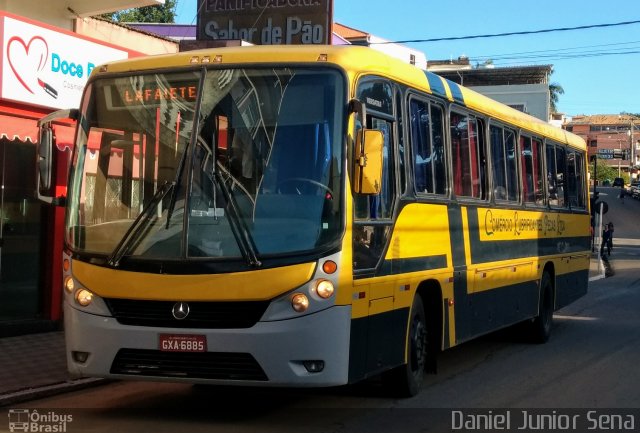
(604, 171)
(555, 90)
(149, 14)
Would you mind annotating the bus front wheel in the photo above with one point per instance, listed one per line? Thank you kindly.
(405, 380)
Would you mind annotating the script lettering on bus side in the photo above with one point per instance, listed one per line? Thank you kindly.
(517, 225)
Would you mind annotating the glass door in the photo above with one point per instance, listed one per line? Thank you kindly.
(20, 232)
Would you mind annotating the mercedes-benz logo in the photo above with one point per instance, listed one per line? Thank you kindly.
(180, 310)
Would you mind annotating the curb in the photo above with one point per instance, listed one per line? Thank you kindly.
(49, 390)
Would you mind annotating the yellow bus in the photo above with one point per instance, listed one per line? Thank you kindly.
(306, 216)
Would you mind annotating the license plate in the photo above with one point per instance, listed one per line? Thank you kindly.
(182, 343)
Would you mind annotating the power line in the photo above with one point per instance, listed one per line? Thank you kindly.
(495, 35)
(558, 56)
(558, 50)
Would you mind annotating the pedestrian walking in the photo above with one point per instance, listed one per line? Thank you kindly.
(622, 193)
(606, 241)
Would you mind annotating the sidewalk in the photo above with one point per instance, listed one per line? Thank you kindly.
(34, 366)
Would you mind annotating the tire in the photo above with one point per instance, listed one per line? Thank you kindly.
(406, 380)
(541, 325)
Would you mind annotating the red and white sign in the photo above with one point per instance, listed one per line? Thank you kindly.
(46, 67)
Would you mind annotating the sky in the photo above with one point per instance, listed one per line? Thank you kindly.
(598, 68)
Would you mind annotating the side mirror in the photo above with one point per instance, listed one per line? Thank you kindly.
(45, 150)
(368, 161)
(44, 169)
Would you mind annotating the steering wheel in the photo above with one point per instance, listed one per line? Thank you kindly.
(303, 180)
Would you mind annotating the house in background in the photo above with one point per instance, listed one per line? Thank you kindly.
(525, 88)
(614, 138)
(399, 51)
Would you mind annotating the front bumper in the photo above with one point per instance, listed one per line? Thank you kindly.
(279, 348)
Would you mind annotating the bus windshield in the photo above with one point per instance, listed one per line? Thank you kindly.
(219, 164)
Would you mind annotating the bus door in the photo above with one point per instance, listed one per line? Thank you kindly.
(373, 223)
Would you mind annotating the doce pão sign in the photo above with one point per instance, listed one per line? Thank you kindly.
(266, 22)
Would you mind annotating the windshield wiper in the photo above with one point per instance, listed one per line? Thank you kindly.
(139, 224)
(238, 227)
(176, 183)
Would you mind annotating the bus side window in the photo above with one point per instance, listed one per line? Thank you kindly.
(504, 164)
(556, 166)
(561, 175)
(574, 180)
(428, 148)
(532, 170)
(468, 156)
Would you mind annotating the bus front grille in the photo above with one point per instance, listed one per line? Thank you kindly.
(207, 365)
(210, 315)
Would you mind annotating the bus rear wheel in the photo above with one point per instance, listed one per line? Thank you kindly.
(540, 327)
(405, 380)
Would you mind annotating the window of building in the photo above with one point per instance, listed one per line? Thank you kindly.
(519, 107)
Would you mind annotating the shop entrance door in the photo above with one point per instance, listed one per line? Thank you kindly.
(20, 232)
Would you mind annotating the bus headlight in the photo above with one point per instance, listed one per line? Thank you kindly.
(324, 288)
(299, 302)
(69, 285)
(84, 297)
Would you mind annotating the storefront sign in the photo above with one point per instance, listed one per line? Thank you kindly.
(267, 22)
(42, 66)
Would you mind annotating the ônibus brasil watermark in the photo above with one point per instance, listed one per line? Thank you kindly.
(31, 421)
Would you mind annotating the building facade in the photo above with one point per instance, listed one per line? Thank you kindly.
(613, 138)
(525, 88)
(47, 52)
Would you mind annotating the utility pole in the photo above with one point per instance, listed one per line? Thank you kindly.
(632, 145)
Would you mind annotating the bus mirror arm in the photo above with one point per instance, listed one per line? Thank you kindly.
(45, 160)
(356, 106)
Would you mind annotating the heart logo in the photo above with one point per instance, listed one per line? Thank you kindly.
(27, 59)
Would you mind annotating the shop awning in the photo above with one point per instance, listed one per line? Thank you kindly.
(23, 129)
(18, 128)
(65, 136)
